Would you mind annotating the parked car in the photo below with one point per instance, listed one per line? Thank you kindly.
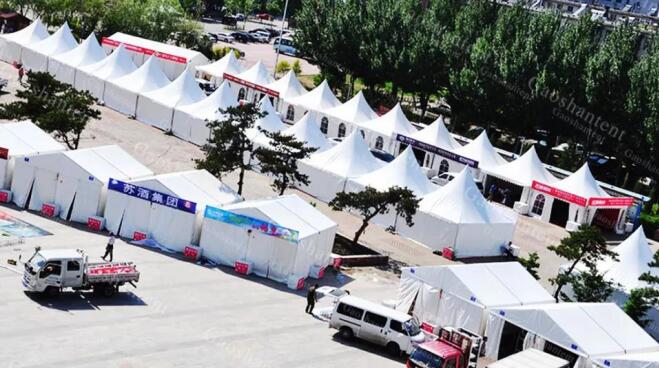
(240, 17)
(212, 36)
(263, 16)
(382, 155)
(206, 86)
(225, 37)
(243, 37)
(271, 31)
(443, 178)
(285, 46)
(229, 20)
(260, 37)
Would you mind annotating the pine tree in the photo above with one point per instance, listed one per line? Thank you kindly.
(280, 158)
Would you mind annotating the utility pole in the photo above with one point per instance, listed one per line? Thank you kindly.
(281, 34)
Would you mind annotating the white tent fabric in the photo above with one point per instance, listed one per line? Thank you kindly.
(65, 66)
(587, 329)
(93, 77)
(287, 86)
(386, 127)
(74, 180)
(157, 107)
(354, 111)
(481, 150)
(523, 171)
(270, 122)
(634, 255)
(215, 71)
(329, 171)
(319, 99)
(437, 135)
(639, 360)
(170, 227)
(307, 130)
(272, 257)
(257, 74)
(35, 55)
(12, 44)
(458, 216)
(190, 120)
(462, 295)
(121, 94)
(582, 183)
(22, 139)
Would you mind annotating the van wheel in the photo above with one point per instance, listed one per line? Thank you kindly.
(346, 333)
(52, 292)
(393, 349)
(108, 290)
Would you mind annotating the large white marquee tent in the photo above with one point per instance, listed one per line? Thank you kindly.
(215, 71)
(330, 170)
(122, 94)
(76, 181)
(93, 77)
(36, 55)
(190, 120)
(65, 66)
(381, 132)
(351, 114)
(319, 99)
(283, 238)
(12, 44)
(170, 227)
(462, 295)
(22, 139)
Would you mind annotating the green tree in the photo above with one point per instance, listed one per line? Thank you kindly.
(642, 299)
(531, 263)
(283, 67)
(229, 148)
(586, 246)
(590, 286)
(370, 202)
(55, 107)
(297, 67)
(245, 7)
(280, 159)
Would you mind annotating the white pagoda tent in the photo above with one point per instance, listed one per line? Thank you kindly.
(319, 99)
(215, 71)
(429, 139)
(480, 150)
(190, 120)
(93, 77)
(462, 296)
(270, 122)
(287, 87)
(330, 170)
(35, 55)
(381, 132)
(122, 94)
(157, 107)
(65, 66)
(168, 226)
(351, 113)
(306, 130)
(251, 81)
(12, 44)
(457, 216)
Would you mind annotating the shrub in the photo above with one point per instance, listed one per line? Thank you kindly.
(283, 67)
(297, 68)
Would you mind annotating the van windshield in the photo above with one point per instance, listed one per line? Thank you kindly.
(412, 327)
(424, 358)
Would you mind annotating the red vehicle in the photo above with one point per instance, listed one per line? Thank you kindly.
(264, 16)
(454, 348)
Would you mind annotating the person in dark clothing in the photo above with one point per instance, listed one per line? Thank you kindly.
(109, 249)
(311, 299)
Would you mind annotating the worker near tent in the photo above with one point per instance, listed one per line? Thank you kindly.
(311, 299)
(109, 249)
(492, 192)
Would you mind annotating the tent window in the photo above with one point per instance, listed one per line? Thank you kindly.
(443, 166)
(324, 124)
(379, 143)
(342, 130)
(241, 94)
(538, 204)
(290, 113)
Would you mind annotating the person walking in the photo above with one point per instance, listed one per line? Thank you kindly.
(311, 299)
(21, 73)
(109, 249)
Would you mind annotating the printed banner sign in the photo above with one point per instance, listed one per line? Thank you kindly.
(251, 85)
(145, 51)
(560, 194)
(611, 202)
(243, 221)
(152, 196)
(4, 153)
(436, 150)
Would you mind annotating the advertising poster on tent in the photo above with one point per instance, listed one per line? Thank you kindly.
(152, 196)
(611, 202)
(436, 150)
(4, 153)
(141, 50)
(251, 85)
(560, 194)
(252, 223)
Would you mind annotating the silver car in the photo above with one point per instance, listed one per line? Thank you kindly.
(225, 37)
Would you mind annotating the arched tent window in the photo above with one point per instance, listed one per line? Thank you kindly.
(443, 166)
(241, 94)
(379, 143)
(342, 130)
(324, 124)
(538, 204)
(290, 113)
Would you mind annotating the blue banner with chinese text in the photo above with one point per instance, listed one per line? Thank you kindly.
(152, 196)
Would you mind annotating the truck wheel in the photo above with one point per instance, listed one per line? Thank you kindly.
(346, 333)
(108, 290)
(52, 292)
(393, 349)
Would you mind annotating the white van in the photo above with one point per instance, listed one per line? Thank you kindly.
(397, 331)
(285, 45)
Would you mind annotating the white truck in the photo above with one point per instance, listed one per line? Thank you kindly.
(51, 271)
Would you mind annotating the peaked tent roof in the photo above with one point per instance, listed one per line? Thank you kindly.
(257, 74)
(307, 130)
(35, 32)
(350, 158)
(356, 110)
(88, 52)
(156, 46)
(319, 99)
(404, 171)
(147, 77)
(288, 86)
(24, 138)
(108, 162)
(59, 42)
(523, 171)
(588, 329)
(638, 360)
(582, 183)
(227, 64)
(116, 65)
(437, 135)
(392, 123)
(460, 202)
(184, 90)
(481, 150)
(270, 123)
(209, 108)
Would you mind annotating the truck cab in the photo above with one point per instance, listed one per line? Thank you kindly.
(453, 348)
(54, 269)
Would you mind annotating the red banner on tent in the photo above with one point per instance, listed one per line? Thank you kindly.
(560, 194)
(145, 51)
(611, 202)
(4, 153)
(251, 85)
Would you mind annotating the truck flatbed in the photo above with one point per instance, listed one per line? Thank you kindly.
(113, 272)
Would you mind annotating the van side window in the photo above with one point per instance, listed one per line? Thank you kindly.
(51, 268)
(375, 319)
(397, 326)
(350, 311)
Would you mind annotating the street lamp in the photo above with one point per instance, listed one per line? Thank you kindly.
(281, 34)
